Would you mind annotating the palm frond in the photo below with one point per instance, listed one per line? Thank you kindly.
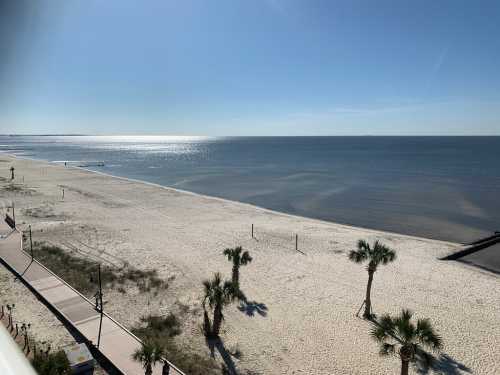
(207, 286)
(386, 322)
(229, 253)
(377, 254)
(213, 290)
(406, 314)
(401, 331)
(404, 327)
(382, 254)
(148, 354)
(217, 279)
(387, 349)
(379, 334)
(383, 328)
(230, 291)
(245, 258)
(363, 246)
(427, 336)
(357, 256)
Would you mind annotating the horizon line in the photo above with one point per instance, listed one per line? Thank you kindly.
(236, 136)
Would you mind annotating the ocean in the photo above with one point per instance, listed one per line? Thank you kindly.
(444, 188)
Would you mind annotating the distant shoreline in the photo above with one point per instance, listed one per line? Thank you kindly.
(407, 192)
(187, 192)
(478, 262)
(263, 136)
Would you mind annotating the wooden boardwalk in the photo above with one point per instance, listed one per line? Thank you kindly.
(117, 343)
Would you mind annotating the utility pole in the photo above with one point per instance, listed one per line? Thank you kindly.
(100, 307)
(31, 244)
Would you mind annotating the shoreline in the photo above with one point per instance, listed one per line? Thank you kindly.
(235, 201)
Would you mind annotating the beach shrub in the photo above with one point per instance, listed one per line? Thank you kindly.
(158, 326)
(81, 273)
(16, 188)
(51, 364)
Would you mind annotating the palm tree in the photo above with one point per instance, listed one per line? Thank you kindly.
(379, 254)
(239, 258)
(149, 354)
(411, 338)
(218, 294)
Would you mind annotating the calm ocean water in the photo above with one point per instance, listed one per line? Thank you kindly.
(439, 187)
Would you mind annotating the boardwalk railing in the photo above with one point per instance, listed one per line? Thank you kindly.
(173, 369)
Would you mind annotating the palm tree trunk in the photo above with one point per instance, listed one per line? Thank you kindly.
(236, 275)
(207, 329)
(368, 301)
(149, 370)
(217, 320)
(404, 367)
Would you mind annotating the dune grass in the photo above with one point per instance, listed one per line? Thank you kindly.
(82, 273)
(17, 189)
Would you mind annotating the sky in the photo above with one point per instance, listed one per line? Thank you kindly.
(259, 67)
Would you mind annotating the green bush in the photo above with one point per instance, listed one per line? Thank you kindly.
(81, 273)
(51, 364)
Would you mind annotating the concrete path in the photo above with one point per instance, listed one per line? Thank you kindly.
(117, 344)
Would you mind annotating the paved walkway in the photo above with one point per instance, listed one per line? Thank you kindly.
(117, 344)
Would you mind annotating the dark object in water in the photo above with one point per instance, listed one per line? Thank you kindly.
(474, 246)
(92, 164)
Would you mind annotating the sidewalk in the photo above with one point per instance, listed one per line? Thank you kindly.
(117, 344)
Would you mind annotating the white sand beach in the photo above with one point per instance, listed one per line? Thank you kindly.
(44, 325)
(304, 318)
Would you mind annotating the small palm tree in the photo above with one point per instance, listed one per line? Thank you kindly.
(218, 294)
(239, 258)
(411, 338)
(379, 254)
(149, 354)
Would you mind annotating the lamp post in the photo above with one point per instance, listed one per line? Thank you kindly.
(12, 169)
(99, 307)
(31, 244)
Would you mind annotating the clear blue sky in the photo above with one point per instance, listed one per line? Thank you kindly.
(256, 67)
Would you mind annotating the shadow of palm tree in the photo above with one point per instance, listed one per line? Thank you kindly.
(250, 308)
(443, 364)
(229, 366)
